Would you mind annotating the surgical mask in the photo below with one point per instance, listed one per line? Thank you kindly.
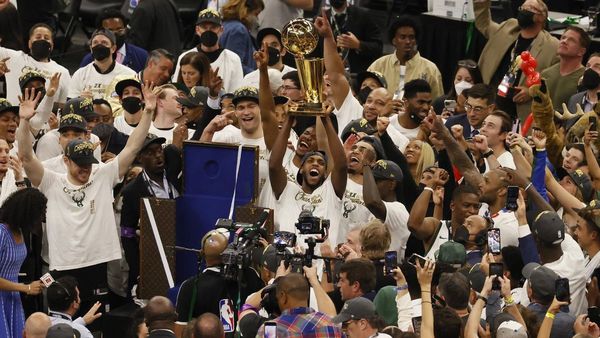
(132, 104)
(462, 85)
(120, 39)
(274, 56)
(100, 52)
(40, 49)
(591, 79)
(525, 19)
(209, 38)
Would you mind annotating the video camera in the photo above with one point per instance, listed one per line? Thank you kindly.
(238, 253)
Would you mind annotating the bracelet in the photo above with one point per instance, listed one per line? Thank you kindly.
(550, 315)
(248, 307)
(541, 149)
(429, 189)
(528, 186)
(401, 288)
(487, 153)
(484, 299)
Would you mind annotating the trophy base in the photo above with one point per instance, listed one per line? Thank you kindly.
(307, 109)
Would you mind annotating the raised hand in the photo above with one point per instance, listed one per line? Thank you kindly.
(15, 164)
(28, 102)
(215, 82)
(481, 144)
(425, 273)
(438, 195)
(54, 83)
(35, 287)
(219, 122)
(590, 136)
(539, 139)
(149, 96)
(348, 40)
(322, 25)
(92, 314)
(262, 57)
(399, 276)
(382, 123)
(457, 132)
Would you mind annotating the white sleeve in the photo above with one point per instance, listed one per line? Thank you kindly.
(98, 151)
(47, 147)
(111, 170)
(398, 138)
(404, 306)
(396, 217)
(76, 85)
(48, 178)
(63, 90)
(237, 74)
(213, 103)
(8, 53)
(42, 112)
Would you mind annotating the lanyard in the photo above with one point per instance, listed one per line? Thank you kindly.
(59, 315)
(165, 184)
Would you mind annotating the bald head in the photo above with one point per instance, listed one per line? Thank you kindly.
(160, 313)
(37, 325)
(381, 91)
(294, 285)
(208, 326)
(213, 244)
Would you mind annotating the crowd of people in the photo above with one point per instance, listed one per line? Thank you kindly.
(440, 202)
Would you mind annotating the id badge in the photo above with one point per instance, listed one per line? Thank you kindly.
(507, 82)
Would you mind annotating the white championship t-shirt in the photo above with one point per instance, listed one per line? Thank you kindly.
(354, 212)
(323, 202)
(121, 125)
(349, 111)
(88, 77)
(80, 221)
(396, 219)
(408, 133)
(20, 63)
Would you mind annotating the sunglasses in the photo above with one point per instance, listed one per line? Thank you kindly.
(467, 64)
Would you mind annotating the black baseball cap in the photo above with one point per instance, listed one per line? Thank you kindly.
(267, 31)
(62, 330)
(372, 74)
(549, 228)
(30, 76)
(245, 93)
(590, 212)
(209, 15)
(72, 121)
(541, 279)
(196, 98)
(355, 308)
(151, 139)
(81, 152)
(6, 106)
(584, 183)
(79, 105)
(121, 85)
(387, 170)
(357, 126)
(280, 99)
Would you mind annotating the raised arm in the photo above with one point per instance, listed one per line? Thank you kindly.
(45, 108)
(371, 196)
(568, 201)
(424, 227)
(138, 135)
(33, 167)
(339, 171)
(593, 167)
(333, 63)
(265, 98)
(483, 18)
(456, 154)
(276, 170)
(324, 302)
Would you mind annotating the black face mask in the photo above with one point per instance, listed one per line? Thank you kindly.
(100, 52)
(337, 3)
(132, 104)
(120, 40)
(40, 90)
(274, 56)
(525, 19)
(209, 38)
(40, 49)
(591, 79)
(363, 94)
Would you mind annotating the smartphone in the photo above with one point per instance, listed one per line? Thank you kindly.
(493, 241)
(270, 330)
(512, 195)
(284, 238)
(592, 122)
(450, 105)
(496, 269)
(391, 261)
(416, 323)
(594, 314)
(563, 293)
(412, 260)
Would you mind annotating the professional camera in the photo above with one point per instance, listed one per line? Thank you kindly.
(310, 225)
(238, 254)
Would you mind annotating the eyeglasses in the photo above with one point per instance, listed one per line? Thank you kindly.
(288, 87)
(477, 110)
(467, 64)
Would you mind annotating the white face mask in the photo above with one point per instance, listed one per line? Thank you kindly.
(462, 85)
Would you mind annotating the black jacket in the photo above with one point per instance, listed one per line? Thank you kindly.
(156, 24)
(361, 24)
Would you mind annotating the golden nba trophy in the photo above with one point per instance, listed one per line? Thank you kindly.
(300, 38)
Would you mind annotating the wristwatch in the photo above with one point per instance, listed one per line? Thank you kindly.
(488, 153)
